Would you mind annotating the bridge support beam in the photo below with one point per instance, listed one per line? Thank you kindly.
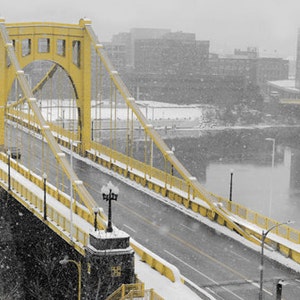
(110, 263)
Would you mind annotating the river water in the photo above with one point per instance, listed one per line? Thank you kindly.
(271, 191)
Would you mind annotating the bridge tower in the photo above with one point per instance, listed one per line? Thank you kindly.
(67, 45)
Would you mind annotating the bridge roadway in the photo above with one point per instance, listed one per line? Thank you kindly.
(225, 268)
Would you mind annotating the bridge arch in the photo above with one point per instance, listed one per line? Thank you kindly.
(67, 45)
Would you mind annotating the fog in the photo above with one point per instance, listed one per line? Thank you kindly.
(270, 25)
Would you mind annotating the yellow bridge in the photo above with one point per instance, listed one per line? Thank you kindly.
(73, 101)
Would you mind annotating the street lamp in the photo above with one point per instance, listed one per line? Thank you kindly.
(96, 210)
(109, 193)
(263, 237)
(63, 118)
(172, 167)
(78, 265)
(230, 186)
(271, 178)
(8, 162)
(45, 203)
(92, 130)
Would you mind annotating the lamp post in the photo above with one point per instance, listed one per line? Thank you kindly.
(230, 186)
(172, 167)
(8, 162)
(45, 198)
(78, 265)
(96, 210)
(109, 193)
(63, 118)
(92, 130)
(263, 237)
(271, 178)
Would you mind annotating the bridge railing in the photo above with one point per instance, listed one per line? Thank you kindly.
(178, 190)
(192, 199)
(59, 223)
(133, 164)
(136, 289)
(55, 220)
(260, 220)
(31, 122)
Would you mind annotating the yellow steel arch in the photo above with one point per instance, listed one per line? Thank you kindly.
(68, 45)
(11, 69)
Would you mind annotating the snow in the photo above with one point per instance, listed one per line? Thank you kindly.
(152, 279)
(288, 85)
(149, 276)
(162, 285)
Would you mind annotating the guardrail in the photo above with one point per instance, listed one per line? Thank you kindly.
(55, 220)
(136, 289)
(173, 187)
(179, 191)
(59, 224)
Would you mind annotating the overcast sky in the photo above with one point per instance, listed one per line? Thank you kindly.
(270, 25)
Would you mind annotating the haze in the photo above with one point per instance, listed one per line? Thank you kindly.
(270, 25)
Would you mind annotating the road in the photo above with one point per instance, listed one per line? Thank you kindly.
(213, 261)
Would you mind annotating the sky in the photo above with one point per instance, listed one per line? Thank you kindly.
(270, 25)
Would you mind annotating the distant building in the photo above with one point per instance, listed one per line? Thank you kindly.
(282, 90)
(161, 65)
(171, 56)
(159, 51)
(256, 70)
(118, 55)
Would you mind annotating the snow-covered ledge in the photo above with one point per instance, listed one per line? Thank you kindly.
(102, 240)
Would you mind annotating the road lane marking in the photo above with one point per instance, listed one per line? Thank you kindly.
(196, 287)
(191, 229)
(204, 275)
(213, 292)
(130, 228)
(240, 256)
(80, 168)
(144, 204)
(187, 244)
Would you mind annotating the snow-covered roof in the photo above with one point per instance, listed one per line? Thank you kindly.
(286, 85)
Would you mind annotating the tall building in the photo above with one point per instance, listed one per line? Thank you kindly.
(171, 53)
(167, 66)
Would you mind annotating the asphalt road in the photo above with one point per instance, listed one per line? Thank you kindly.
(213, 261)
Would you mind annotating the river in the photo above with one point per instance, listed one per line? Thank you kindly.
(271, 191)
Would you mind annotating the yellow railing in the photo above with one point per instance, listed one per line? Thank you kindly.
(36, 206)
(136, 289)
(249, 215)
(155, 262)
(151, 295)
(78, 209)
(55, 220)
(261, 221)
(180, 191)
